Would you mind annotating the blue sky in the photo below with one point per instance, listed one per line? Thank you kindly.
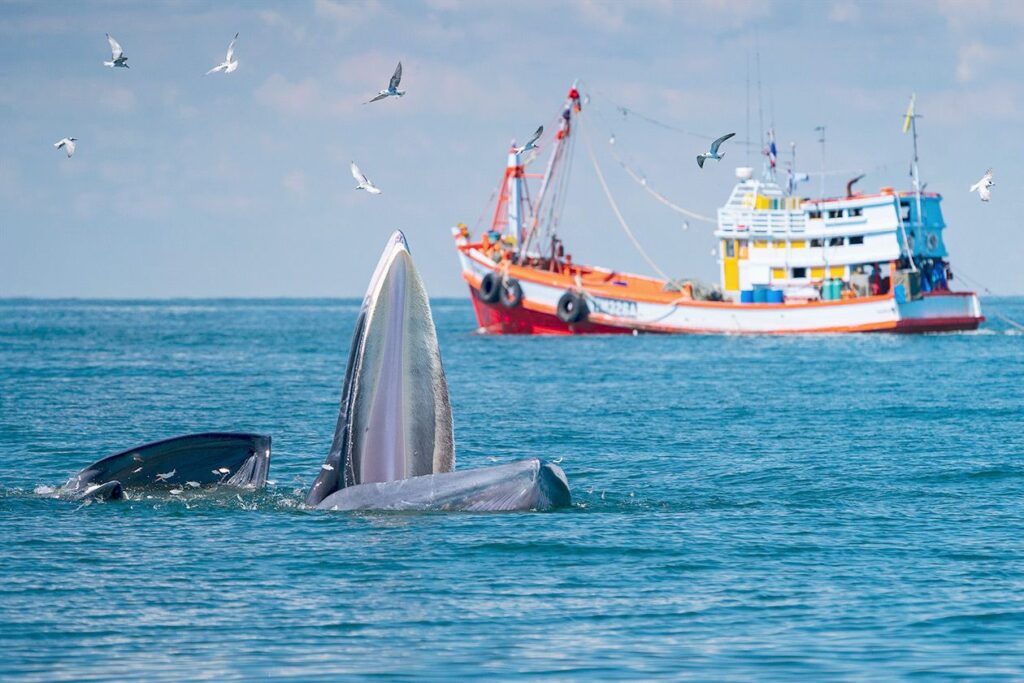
(239, 186)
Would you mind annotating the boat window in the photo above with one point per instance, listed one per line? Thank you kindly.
(730, 249)
(816, 243)
(814, 214)
(799, 272)
(905, 210)
(852, 213)
(835, 213)
(835, 242)
(857, 239)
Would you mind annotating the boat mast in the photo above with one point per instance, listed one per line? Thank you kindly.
(917, 178)
(821, 129)
(572, 105)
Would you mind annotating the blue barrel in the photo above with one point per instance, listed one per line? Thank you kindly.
(760, 296)
(775, 296)
(900, 293)
(747, 296)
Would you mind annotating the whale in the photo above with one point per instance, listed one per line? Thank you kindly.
(393, 445)
(212, 459)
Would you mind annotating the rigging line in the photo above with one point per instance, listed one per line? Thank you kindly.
(642, 182)
(977, 283)
(615, 209)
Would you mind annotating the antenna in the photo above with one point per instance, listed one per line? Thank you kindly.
(760, 108)
(821, 139)
(748, 106)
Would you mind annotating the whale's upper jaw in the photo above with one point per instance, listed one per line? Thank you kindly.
(395, 419)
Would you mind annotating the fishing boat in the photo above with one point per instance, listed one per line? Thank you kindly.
(863, 262)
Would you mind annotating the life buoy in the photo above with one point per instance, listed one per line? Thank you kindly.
(490, 288)
(572, 308)
(511, 294)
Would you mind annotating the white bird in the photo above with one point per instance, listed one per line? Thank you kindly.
(364, 182)
(392, 90)
(166, 475)
(67, 144)
(981, 187)
(532, 142)
(117, 57)
(230, 63)
(713, 152)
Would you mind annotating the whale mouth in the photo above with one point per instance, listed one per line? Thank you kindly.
(395, 417)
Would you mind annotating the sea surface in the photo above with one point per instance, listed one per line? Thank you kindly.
(822, 507)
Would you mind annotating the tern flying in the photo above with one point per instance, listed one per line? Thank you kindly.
(230, 63)
(981, 187)
(67, 144)
(117, 57)
(364, 182)
(392, 90)
(532, 142)
(713, 152)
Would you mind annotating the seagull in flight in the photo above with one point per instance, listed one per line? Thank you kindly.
(364, 182)
(117, 57)
(392, 90)
(67, 144)
(981, 187)
(532, 142)
(713, 152)
(230, 63)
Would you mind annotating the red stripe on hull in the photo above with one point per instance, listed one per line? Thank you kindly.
(497, 319)
(912, 326)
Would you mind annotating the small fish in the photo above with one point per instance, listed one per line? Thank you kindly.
(166, 475)
(224, 470)
(176, 492)
(137, 458)
(327, 467)
(271, 482)
(136, 470)
(192, 484)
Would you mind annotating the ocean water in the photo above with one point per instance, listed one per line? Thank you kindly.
(745, 507)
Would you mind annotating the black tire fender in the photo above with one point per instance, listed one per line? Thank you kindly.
(511, 293)
(572, 308)
(490, 288)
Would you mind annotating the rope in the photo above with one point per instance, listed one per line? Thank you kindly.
(615, 209)
(977, 283)
(642, 182)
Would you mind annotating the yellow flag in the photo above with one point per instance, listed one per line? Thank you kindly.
(910, 114)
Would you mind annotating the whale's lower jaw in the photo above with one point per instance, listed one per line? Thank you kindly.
(519, 486)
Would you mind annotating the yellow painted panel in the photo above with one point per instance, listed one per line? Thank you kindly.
(762, 202)
(837, 271)
(799, 244)
(761, 244)
(731, 267)
(817, 273)
(778, 273)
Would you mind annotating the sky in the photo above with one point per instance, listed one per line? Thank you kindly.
(238, 185)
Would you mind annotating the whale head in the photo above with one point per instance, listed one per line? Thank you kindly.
(395, 420)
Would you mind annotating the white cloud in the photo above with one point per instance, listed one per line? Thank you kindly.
(972, 59)
(294, 182)
(844, 12)
(347, 16)
(276, 20)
